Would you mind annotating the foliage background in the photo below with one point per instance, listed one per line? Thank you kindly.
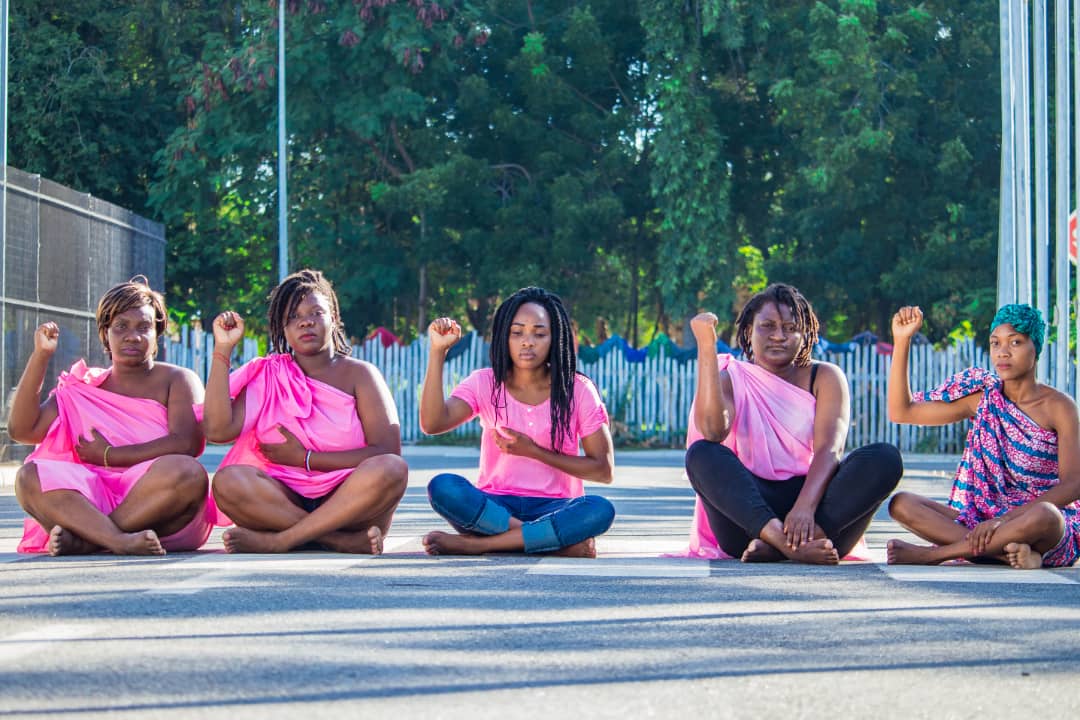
(644, 158)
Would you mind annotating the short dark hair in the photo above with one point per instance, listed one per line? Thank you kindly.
(134, 293)
(801, 311)
(287, 296)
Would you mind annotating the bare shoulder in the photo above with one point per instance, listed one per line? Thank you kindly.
(174, 376)
(1062, 408)
(362, 373)
(829, 375)
(175, 373)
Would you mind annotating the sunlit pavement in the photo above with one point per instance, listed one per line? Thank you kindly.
(631, 634)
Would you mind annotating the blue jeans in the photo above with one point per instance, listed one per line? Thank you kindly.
(547, 523)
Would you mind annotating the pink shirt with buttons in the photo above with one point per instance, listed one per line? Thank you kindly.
(505, 474)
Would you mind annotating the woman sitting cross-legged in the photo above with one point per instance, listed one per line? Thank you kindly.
(768, 471)
(115, 465)
(1015, 495)
(317, 446)
(534, 409)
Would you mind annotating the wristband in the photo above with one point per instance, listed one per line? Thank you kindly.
(105, 457)
(307, 461)
(223, 358)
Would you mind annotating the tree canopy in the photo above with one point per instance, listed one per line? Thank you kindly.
(644, 159)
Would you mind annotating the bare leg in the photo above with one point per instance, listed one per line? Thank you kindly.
(77, 527)
(1038, 529)
(364, 502)
(931, 521)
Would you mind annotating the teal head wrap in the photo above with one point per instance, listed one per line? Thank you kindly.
(1024, 319)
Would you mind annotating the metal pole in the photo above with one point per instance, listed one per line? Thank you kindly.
(4, 7)
(1062, 156)
(1006, 286)
(1042, 175)
(1021, 73)
(1069, 94)
(283, 161)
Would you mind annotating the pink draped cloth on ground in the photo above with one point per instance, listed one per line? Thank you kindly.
(772, 433)
(83, 405)
(322, 417)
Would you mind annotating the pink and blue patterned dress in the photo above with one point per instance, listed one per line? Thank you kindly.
(1009, 460)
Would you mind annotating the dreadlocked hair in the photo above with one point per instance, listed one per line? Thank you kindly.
(118, 299)
(286, 297)
(562, 360)
(783, 295)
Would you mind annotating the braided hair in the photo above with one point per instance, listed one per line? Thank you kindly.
(783, 295)
(118, 299)
(286, 297)
(562, 360)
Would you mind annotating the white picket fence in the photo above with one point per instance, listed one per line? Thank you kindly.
(649, 402)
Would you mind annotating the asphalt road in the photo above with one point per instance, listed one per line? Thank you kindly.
(631, 634)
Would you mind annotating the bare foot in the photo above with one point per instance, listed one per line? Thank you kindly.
(899, 552)
(760, 551)
(242, 540)
(815, 552)
(441, 543)
(145, 542)
(65, 542)
(1022, 557)
(584, 549)
(364, 542)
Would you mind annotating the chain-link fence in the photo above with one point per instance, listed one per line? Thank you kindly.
(61, 251)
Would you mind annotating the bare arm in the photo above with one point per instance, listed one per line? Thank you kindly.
(902, 409)
(29, 419)
(223, 417)
(378, 415)
(597, 464)
(714, 401)
(831, 418)
(438, 414)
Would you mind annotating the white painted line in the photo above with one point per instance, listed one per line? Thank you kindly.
(621, 567)
(9, 545)
(200, 583)
(251, 563)
(39, 641)
(640, 547)
(233, 570)
(973, 574)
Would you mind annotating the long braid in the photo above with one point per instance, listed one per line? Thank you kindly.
(286, 297)
(562, 360)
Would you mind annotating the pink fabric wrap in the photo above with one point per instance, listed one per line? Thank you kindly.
(772, 433)
(504, 474)
(322, 417)
(83, 405)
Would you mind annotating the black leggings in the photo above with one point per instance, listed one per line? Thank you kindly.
(739, 504)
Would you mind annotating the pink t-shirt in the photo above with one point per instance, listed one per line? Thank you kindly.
(504, 474)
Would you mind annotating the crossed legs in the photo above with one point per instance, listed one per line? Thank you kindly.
(270, 517)
(1020, 540)
(162, 502)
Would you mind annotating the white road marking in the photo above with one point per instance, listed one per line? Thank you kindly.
(233, 570)
(38, 641)
(639, 547)
(973, 574)
(621, 567)
(9, 544)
